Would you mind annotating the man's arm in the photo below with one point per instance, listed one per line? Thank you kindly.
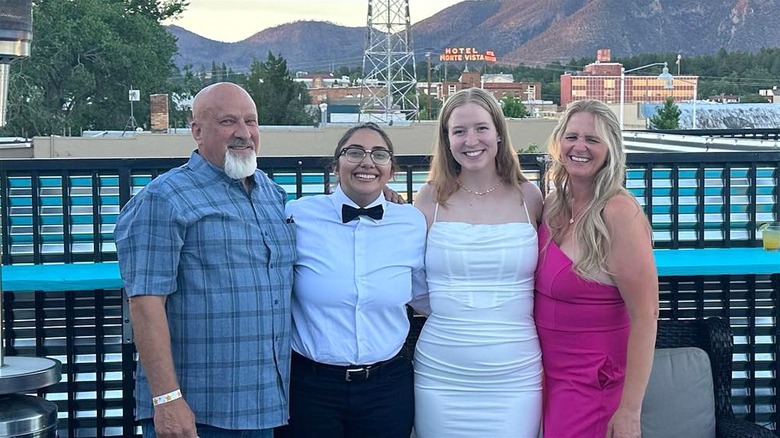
(173, 419)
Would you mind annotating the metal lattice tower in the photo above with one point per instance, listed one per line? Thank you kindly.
(389, 72)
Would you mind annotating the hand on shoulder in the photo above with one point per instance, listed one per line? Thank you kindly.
(294, 205)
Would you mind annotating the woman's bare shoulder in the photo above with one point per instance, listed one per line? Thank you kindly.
(621, 206)
(622, 211)
(551, 196)
(425, 200)
(531, 192)
(425, 195)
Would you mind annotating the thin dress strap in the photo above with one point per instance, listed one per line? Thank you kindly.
(436, 212)
(525, 206)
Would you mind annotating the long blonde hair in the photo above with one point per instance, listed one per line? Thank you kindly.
(590, 231)
(445, 170)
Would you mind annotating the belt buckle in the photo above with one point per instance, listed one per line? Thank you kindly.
(349, 371)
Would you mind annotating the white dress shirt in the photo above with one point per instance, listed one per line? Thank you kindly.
(352, 281)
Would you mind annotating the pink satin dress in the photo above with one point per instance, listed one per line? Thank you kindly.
(583, 329)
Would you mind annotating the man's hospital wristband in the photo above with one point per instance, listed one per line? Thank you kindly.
(165, 398)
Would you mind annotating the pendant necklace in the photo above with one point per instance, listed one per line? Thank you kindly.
(475, 192)
(573, 216)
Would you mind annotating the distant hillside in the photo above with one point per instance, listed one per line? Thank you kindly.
(519, 31)
(306, 45)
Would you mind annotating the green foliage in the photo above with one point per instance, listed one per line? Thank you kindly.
(427, 113)
(157, 9)
(184, 87)
(513, 107)
(753, 98)
(667, 116)
(86, 56)
(280, 100)
(532, 148)
(221, 73)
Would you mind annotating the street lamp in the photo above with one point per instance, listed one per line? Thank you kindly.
(664, 76)
(323, 114)
(670, 84)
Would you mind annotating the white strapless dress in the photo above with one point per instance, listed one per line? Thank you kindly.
(477, 364)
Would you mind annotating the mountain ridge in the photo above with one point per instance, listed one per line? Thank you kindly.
(530, 32)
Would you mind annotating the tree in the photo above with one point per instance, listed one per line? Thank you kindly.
(428, 113)
(86, 56)
(184, 88)
(753, 98)
(532, 148)
(667, 116)
(280, 100)
(157, 9)
(513, 107)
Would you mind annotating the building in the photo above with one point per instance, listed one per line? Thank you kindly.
(498, 84)
(724, 98)
(601, 80)
(325, 87)
(772, 95)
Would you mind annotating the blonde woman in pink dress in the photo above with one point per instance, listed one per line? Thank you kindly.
(596, 301)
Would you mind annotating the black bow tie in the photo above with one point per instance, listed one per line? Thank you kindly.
(349, 212)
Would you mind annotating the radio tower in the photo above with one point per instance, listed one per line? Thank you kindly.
(388, 87)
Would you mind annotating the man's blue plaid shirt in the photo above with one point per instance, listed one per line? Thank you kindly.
(224, 258)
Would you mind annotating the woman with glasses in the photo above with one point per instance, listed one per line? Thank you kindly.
(360, 261)
(478, 368)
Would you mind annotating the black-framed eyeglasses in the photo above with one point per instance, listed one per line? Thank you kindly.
(356, 155)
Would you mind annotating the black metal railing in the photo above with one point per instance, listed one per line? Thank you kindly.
(64, 211)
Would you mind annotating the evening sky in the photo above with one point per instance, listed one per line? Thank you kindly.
(235, 20)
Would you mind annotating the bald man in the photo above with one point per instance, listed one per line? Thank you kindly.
(206, 258)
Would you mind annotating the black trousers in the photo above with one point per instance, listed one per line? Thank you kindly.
(326, 401)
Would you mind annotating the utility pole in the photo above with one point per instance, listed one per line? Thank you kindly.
(430, 108)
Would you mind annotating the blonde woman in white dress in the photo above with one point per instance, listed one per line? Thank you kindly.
(478, 369)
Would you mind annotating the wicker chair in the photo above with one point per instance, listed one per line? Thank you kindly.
(713, 335)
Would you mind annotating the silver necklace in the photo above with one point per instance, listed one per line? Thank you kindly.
(474, 192)
(573, 216)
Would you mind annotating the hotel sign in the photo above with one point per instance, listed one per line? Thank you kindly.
(466, 54)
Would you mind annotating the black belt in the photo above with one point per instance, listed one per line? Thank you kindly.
(350, 373)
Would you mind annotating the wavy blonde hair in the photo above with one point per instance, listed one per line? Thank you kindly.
(445, 170)
(590, 231)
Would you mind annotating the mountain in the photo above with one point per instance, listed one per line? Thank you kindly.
(518, 31)
(306, 45)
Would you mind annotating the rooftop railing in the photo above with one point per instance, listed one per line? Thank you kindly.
(63, 211)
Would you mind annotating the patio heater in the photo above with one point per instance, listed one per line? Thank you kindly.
(21, 415)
